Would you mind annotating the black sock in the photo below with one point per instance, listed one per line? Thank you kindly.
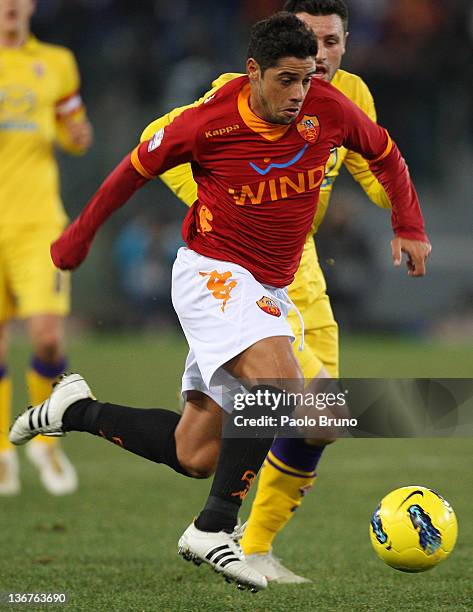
(145, 432)
(239, 463)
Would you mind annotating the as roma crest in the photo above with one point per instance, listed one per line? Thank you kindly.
(309, 128)
(269, 306)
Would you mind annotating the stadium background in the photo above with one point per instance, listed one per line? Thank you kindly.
(112, 545)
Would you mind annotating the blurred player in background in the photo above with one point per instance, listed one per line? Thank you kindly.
(289, 470)
(40, 106)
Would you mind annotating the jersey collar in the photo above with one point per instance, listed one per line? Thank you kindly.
(270, 131)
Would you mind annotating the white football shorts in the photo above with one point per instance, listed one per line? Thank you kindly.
(223, 310)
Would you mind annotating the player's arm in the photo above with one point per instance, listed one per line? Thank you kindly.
(386, 163)
(180, 179)
(74, 132)
(360, 170)
(357, 165)
(171, 146)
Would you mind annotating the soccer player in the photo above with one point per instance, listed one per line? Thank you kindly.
(258, 148)
(40, 106)
(289, 470)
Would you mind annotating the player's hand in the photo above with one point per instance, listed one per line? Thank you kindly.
(416, 251)
(70, 249)
(80, 132)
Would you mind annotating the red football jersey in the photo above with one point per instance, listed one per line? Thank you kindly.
(258, 183)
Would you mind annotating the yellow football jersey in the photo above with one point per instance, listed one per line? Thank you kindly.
(356, 89)
(39, 86)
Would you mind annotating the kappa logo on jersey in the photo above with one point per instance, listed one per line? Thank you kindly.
(220, 285)
(291, 162)
(269, 306)
(309, 128)
(156, 140)
(221, 131)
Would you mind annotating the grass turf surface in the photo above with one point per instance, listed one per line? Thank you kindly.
(112, 546)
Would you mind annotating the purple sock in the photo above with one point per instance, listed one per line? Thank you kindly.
(297, 454)
(48, 370)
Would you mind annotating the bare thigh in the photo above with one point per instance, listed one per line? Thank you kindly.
(269, 361)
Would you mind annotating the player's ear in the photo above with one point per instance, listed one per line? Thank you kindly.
(253, 69)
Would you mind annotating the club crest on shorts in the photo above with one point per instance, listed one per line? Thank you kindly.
(309, 128)
(269, 306)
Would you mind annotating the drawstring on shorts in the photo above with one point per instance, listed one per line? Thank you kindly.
(292, 306)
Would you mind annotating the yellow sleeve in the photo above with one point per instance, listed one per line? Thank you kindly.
(180, 179)
(69, 104)
(358, 166)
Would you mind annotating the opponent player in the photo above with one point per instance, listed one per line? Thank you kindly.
(258, 185)
(289, 470)
(39, 106)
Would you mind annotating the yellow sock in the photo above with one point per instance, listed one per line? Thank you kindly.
(39, 388)
(5, 412)
(278, 495)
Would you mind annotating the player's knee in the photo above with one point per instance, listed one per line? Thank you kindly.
(48, 346)
(198, 465)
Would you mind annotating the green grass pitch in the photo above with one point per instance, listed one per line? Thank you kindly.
(112, 546)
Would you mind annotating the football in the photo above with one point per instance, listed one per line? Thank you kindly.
(413, 529)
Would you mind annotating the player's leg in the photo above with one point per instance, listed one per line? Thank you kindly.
(209, 536)
(9, 468)
(189, 444)
(289, 471)
(241, 459)
(42, 296)
(48, 362)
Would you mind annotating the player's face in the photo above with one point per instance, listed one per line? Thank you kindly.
(331, 41)
(278, 94)
(15, 15)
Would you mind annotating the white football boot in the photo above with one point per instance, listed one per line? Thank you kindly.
(56, 472)
(271, 567)
(9, 472)
(222, 551)
(46, 418)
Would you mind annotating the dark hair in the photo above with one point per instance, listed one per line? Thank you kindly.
(281, 35)
(319, 7)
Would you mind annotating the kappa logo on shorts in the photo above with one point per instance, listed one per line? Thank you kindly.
(220, 285)
(269, 306)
